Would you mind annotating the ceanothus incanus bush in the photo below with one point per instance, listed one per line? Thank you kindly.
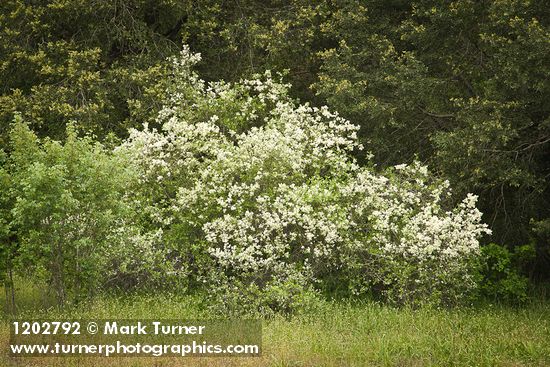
(263, 192)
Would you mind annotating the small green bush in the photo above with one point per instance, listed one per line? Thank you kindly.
(501, 279)
(73, 212)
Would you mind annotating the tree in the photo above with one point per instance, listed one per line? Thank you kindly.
(81, 60)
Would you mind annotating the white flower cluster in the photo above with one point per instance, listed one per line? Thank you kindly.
(269, 185)
(263, 200)
(406, 217)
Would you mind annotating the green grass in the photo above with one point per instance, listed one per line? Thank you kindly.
(338, 334)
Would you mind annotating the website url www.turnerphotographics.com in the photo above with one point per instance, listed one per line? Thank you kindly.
(105, 338)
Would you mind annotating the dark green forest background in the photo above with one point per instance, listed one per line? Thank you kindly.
(462, 86)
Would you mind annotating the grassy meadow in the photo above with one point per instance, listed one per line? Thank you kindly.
(329, 334)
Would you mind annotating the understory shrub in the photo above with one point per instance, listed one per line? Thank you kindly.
(500, 270)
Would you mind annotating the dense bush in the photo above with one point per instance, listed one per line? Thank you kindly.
(500, 268)
(261, 191)
(461, 85)
(73, 214)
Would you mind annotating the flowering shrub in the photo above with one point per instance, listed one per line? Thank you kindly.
(423, 253)
(254, 190)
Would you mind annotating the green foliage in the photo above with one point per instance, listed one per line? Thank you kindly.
(541, 238)
(82, 60)
(243, 296)
(70, 200)
(500, 270)
(460, 85)
(283, 205)
(6, 247)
